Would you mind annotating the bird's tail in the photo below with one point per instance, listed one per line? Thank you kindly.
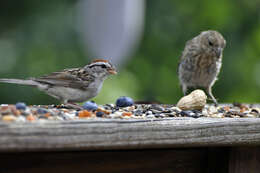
(20, 81)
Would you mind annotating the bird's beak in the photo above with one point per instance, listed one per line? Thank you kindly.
(112, 71)
(218, 51)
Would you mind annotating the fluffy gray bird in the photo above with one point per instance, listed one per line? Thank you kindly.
(201, 61)
(71, 85)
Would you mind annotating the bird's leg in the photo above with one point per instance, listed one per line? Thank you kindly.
(209, 91)
(72, 105)
(184, 89)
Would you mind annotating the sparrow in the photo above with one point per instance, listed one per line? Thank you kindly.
(71, 85)
(201, 62)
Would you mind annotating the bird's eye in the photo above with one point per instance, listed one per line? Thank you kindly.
(103, 66)
(210, 43)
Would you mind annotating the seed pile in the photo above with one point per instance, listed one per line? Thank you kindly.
(34, 113)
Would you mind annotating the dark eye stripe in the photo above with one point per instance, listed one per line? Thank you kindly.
(96, 65)
(210, 43)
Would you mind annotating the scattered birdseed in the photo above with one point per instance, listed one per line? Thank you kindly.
(84, 114)
(42, 111)
(100, 114)
(20, 105)
(31, 117)
(124, 101)
(21, 112)
(9, 118)
(90, 106)
(127, 113)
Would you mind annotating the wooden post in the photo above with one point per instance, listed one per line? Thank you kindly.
(244, 160)
(218, 158)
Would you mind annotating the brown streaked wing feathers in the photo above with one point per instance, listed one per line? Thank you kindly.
(65, 78)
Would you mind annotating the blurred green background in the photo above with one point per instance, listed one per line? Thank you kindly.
(39, 37)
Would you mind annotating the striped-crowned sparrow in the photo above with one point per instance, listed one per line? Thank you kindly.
(72, 85)
(201, 61)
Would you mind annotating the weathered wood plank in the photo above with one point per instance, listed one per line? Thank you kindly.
(129, 134)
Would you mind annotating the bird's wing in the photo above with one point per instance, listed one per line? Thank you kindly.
(190, 52)
(67, 78)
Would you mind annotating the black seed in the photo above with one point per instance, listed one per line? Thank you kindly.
(221, 110)
(42, 117)
(138, 113)
(100, 114)
(186, 113)
(157, 107)
(254, 111)
(193, 113)
(42, 111)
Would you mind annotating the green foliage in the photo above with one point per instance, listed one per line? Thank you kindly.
(38, 38)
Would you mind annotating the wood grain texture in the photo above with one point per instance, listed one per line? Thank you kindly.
(129, 134)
